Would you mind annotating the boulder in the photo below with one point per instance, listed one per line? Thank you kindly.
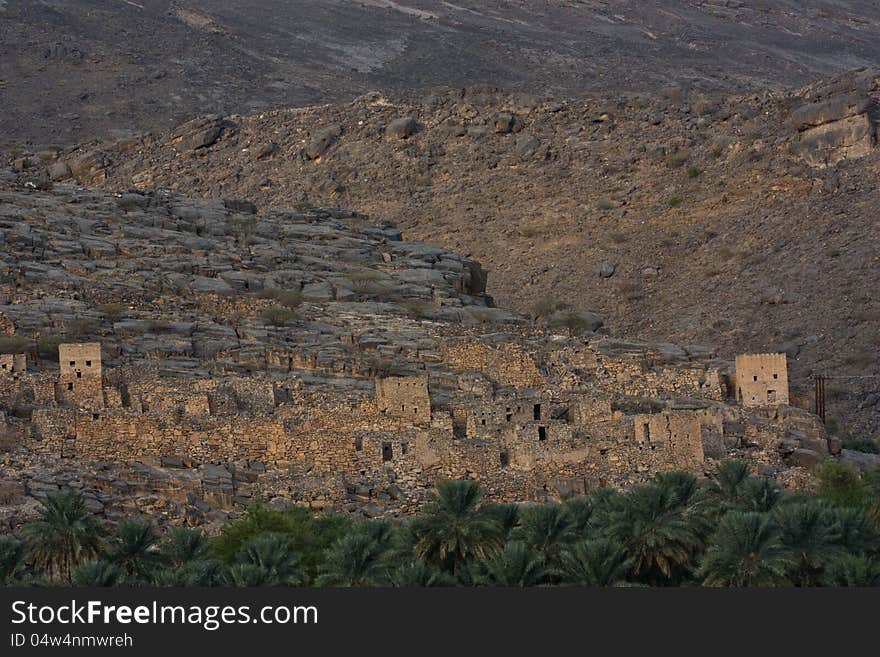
(59, 171)
(266, 150)
(504, 123)
(607, 269)
(89, 169)
(526, 146)
(402, 128)
(198, 133)
(806, 458)
(322, 140)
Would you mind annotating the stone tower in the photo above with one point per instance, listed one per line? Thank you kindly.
(404, 397)
(80, 381)
(762, 379)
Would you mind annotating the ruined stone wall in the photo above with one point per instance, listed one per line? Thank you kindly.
(632, 378)
(678, 434)
(13, 363)
(7, 327)
(27, 389)
(762, 380)
(507, 364)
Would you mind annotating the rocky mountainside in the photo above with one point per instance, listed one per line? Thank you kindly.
(176, 357)
(72, 70)
(746, 222)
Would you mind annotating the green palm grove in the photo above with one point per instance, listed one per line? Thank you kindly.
(732, 529)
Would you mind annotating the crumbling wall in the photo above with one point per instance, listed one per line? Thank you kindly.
(633, 378)
(13, 363)
(507, 364)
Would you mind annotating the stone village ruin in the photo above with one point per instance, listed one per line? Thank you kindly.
(614, 418)
(185, 401)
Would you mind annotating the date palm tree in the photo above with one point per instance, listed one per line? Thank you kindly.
(857, 533)
(64, 535)
(545, 529)
(99, 573)
(204, 572)
(418, 574)
(747, 550)
(451, 528)
(359, 559)
(725, 486)
(661, 526)
(596, 562)
(812, 533)
(182, 545)
(515, 566)
(507, 515)
(580, 513)
(852, 570)
(267, 560)
(11, 559)
(757, 494)
(133, 549)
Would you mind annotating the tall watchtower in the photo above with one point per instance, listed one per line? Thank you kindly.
(404, 397)
(762, 379)
(80, 381)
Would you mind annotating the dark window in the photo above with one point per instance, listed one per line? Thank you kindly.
(542, 433)
(358, 444)
(504, 459)
(404, 448)
(88, 363)
(483, 422)
(775, 375)
(70, 386)
(509, 417)
(79, 375)
(95, 416)
(646, 428)
(72, 363)
(387, 453)
(415, 410)
(755, 378)
(537, 410)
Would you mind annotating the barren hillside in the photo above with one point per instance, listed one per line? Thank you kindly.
(78, 69)
(743, 222)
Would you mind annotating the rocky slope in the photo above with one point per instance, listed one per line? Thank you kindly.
(247, 328)
(746, 222)
(71, 70)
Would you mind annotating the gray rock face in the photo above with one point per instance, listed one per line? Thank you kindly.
(200, 133)
(840, 120)
(861, 460)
